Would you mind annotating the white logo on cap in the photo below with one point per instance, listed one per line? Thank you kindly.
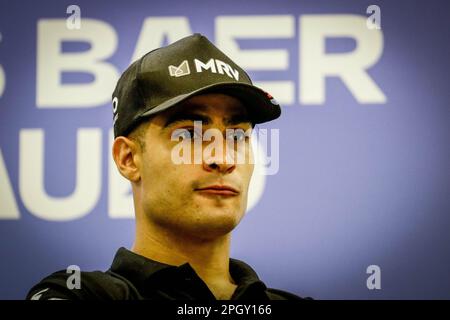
(115, 104)
(212, 65)
(217, 66)
(181, 70)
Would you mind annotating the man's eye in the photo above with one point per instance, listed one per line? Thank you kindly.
(185, 134)
(237, 135)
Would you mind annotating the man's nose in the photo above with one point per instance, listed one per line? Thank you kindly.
(220, 161)
(220, 167)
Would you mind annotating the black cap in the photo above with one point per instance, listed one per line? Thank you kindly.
(168, 75)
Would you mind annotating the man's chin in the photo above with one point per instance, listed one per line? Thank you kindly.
(215, 224)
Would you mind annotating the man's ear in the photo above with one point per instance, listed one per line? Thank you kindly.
(126, 155)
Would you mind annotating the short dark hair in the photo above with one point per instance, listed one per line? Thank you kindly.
(137, 134)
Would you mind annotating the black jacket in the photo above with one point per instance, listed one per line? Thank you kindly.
(134, 277)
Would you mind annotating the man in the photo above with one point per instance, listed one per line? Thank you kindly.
(185, 209)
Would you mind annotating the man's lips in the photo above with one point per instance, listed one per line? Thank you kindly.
(219, 190)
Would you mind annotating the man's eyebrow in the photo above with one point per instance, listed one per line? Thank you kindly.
(195, 115)
(238, 118)
(186, 116)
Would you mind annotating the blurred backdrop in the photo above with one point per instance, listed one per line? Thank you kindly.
(357, 195)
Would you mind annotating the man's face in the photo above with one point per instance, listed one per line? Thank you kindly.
(189, 198)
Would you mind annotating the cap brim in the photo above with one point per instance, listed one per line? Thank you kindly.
(261, 107)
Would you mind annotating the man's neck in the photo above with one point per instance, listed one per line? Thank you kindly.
(209, 258)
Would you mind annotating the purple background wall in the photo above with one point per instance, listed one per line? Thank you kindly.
(358, 184)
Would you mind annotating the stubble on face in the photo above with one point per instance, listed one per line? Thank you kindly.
(169, 193)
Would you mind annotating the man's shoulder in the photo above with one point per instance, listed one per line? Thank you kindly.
(277, 294)
(87, 285)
